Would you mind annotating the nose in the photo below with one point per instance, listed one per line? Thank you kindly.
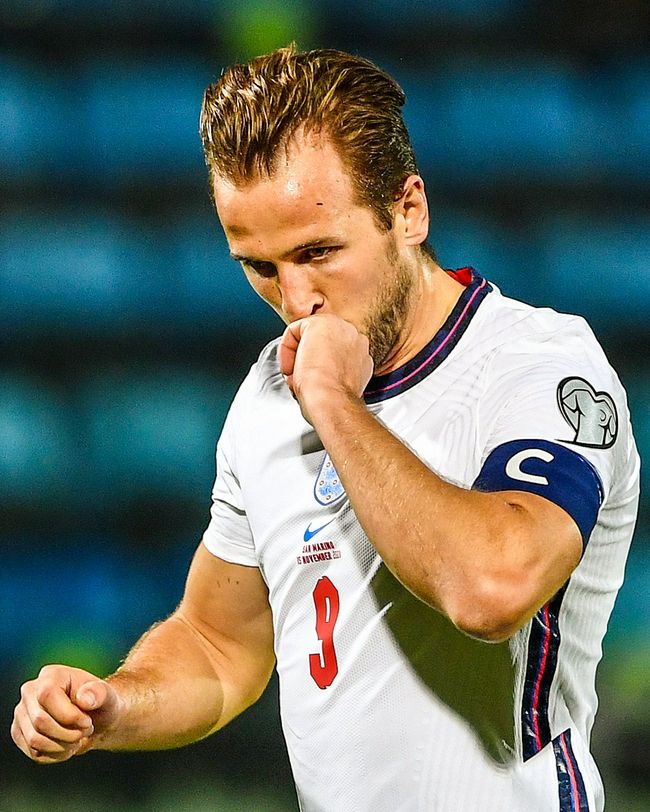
(300, 297)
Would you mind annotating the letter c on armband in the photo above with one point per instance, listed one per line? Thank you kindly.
(513, 467)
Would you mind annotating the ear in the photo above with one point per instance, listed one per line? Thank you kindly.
(414, 209)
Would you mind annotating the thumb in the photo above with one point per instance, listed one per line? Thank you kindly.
(91, 695)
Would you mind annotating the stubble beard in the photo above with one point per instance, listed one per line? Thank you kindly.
(387, 315)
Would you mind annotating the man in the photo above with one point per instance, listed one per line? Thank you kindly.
(424, 499)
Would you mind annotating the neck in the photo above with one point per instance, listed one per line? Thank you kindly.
(433, 297)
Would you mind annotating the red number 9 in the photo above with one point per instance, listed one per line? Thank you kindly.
(323, 667)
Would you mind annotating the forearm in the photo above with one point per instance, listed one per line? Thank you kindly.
(464, 552)
(169, 691)
(186, 677)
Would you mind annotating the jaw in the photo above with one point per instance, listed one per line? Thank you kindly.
(387, 323)
(416, 302)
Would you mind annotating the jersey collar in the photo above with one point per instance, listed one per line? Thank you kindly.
(382, 387)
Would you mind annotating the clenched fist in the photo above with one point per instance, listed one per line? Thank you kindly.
(61, 713)
(322, 357)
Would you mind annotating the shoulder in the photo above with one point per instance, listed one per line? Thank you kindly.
(509, 321)
(521, 338)
(263, 377)
(546, 376)
(262, 392)
(265, 372)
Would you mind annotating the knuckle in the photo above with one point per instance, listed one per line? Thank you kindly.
(34, 741)
(43, 689)
(46, 672)
(40, 721)
(26, 689)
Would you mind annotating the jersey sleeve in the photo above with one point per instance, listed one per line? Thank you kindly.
(228, 534)
(551, 424)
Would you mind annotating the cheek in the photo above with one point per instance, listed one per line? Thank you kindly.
(372, 275)
(362, 270)
(263, 287)
(268, 291)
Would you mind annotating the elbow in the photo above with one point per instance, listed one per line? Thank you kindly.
(486, 629)
(491, 611)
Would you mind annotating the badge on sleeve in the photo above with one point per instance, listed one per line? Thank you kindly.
(592, 415)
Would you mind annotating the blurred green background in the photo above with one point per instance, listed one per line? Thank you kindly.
(125, 328)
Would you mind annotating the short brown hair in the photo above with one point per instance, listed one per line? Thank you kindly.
(255, 108)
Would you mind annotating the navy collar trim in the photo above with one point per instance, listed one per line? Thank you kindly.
(434, 353)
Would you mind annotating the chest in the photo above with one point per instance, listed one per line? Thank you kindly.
(295, 503)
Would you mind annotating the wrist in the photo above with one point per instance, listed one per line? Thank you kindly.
(330, 401)
(109, 732)
(330, 410)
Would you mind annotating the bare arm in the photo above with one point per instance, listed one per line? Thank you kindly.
(487, 560)
(185, 678)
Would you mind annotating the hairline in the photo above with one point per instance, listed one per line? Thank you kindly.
(304, 129)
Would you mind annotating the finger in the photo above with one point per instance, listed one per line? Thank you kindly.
(289, 346)
(36, 746)
(295, 330)
(46, 725)
(54, 699)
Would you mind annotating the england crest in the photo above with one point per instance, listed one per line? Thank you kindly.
(328, 488)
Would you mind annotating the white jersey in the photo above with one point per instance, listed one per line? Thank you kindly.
(385, 705)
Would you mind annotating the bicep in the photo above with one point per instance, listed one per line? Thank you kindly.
(226, 606)
(554, 549)
(553, 496)
(557, 537)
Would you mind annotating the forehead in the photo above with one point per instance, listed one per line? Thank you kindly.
(309, 181)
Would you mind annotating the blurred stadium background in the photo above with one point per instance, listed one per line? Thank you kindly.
(125, 328)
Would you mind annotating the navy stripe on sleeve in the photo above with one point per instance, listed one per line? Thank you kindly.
(549, 470)
(541, 665)
(571, 786)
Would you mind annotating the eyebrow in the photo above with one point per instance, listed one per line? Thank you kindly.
(317, 243)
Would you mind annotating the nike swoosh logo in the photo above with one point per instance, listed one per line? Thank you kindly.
(309, 533)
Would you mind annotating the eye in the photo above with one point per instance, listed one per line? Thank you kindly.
(317, 253)
(265, 269)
